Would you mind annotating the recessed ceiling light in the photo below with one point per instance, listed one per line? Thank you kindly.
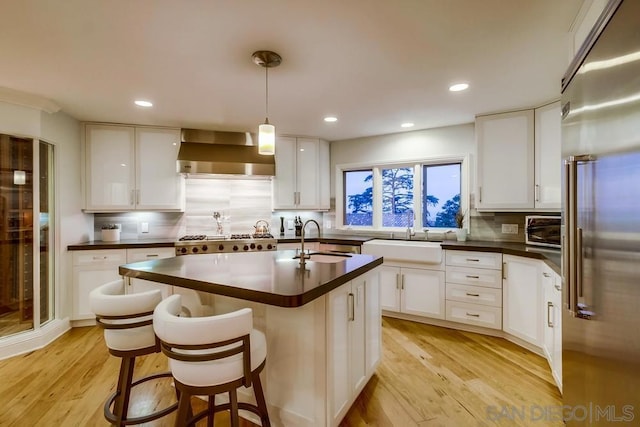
(330, 119)
(407, 125)
(141, 103)
(458, 87)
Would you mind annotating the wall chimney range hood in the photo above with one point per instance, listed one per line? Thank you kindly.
(222, 153)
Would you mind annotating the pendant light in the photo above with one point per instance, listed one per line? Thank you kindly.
(266, 131)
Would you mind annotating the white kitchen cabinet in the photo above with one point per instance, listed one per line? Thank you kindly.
(522, 298)
(474, 288)
(548, 163)
(552, 316)
(412, 290)
(131, 168)
(302, 174)
(91, 269)
(353, 323)
(519, 165)
(505, 170)
(147, 254)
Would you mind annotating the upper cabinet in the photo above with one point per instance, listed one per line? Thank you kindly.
(519, 160)
(131, 168)
(548, 165)
(302, 174)
(505, 160)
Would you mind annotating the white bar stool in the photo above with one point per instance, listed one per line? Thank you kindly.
(212, 355)
(128, 332)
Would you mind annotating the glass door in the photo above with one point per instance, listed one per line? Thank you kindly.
(26, 234)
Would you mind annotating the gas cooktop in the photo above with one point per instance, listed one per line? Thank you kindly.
(193, 244)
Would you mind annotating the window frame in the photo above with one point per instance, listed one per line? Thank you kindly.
(417, 165)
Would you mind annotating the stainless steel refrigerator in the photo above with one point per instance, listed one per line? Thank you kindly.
(601, 224)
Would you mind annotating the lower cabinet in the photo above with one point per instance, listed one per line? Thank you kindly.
(354, 341)
(522, 298)
(552, 315)
(90, 270)
(411, 290)
(474, 288)
(147, 254)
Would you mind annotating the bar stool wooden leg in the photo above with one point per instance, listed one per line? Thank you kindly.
(184, 410)
(123, 390)
(260, 402)
(233, 409)
(212, 410)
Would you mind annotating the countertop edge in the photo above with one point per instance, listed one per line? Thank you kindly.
(551, 257)
(288, 301)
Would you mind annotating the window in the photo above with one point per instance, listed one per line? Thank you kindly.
(358, 193)
(423, 194)
(441, 195)
(397, 197)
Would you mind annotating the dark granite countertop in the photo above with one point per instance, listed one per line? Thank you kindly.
(552, 257)
(123, 244)
(273, 277)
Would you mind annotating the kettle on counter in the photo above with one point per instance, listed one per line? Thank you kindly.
(261, 227)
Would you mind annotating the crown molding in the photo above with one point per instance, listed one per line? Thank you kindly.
(24, 99)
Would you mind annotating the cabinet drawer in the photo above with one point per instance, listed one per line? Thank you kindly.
(474, 294)
(474, 314)
(474, 259)
(110, 256)
(475, 276)
(147, 254)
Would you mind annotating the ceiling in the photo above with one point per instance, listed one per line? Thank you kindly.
(372, 63)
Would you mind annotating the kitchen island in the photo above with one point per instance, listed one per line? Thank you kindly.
(322, 321)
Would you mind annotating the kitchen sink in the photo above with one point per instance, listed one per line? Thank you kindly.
(405, 250)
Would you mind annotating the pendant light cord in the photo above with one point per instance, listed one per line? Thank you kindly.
(266, 69)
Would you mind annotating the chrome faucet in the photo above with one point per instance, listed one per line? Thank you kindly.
(302, 254)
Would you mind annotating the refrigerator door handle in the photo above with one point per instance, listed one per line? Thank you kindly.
(579, 261)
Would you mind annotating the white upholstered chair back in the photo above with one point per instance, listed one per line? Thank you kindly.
(127, 318)
(204, 336)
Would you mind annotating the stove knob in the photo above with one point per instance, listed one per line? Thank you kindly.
(269, 246)
(194, 250)
(253, 246)
(183, 250)
(259, 247)
(205, 248)
(235, 247)
(220, 247)
(246, 247)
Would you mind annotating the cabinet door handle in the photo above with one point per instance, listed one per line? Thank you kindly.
(470, 276)
(152, 255)
(549, 307)
(546, 274)
(472, 295)
(473, 260)
(472, 314)
(480, 194)
(397, 281)
(402, 282)
(558, 287)
(137, 197)
(350, 303)
(504, 271)
(537, 192)
(131, 197)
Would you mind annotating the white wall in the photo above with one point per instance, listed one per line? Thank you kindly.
(73, 225)
(447, 141)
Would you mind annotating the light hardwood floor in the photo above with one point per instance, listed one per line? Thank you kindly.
(429, 376)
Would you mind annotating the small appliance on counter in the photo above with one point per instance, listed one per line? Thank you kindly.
(542, 230)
